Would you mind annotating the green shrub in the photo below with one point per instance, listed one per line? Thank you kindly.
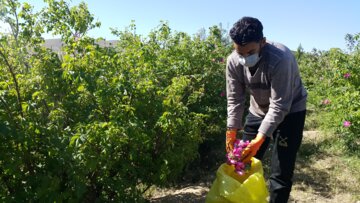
(98, 123)
(332, 79)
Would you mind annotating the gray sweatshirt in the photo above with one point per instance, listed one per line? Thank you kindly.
(275, 88)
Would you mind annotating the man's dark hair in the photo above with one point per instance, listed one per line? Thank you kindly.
(246, 30)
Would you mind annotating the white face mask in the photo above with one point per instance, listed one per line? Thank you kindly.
(249, 61)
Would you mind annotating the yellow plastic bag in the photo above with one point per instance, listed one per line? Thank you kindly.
(231, 187)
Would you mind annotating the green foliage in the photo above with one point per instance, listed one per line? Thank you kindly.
(332, 78)
(101, 123)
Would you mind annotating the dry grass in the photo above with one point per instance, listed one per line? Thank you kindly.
(323, 176)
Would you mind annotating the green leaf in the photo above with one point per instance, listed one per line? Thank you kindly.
(81, 88)
(74, 139)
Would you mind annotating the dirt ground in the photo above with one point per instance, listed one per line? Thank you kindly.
(321, 179)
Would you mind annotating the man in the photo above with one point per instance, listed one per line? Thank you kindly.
(269, 72)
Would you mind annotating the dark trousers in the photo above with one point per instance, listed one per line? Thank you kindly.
(287, 139)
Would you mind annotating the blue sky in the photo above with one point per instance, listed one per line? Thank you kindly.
(320, 24)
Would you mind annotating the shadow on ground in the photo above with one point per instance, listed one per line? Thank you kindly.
(311, 174)
(180, 198)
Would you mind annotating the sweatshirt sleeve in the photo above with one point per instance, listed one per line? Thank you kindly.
(235, 91)
(281, 96)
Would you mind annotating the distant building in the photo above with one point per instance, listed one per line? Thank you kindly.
(56, 44)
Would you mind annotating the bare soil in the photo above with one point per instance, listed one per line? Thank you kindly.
(319, 177)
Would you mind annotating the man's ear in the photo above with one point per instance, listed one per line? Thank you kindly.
(235, 45)
(263, 41)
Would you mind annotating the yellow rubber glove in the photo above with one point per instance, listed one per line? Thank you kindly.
(230, 139)
(252, 148)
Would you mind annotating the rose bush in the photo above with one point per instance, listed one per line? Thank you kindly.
(94, 123)
(333, 82)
